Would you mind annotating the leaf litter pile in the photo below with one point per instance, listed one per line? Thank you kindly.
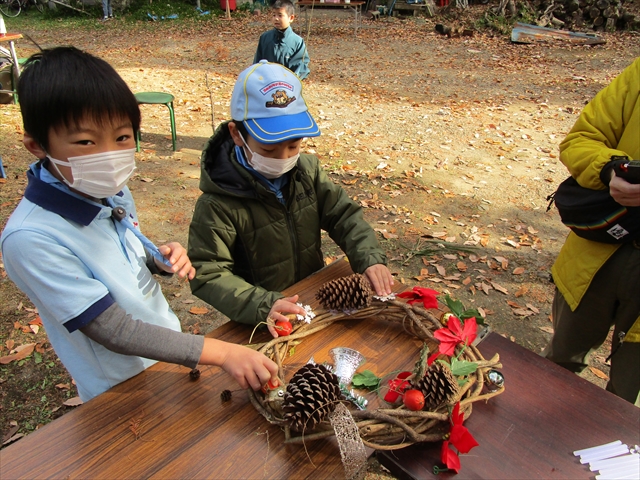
(450, 145)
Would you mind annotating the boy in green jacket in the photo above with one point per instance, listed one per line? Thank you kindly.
(281, 45)
(256, 228)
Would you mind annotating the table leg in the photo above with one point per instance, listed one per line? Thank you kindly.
(15, 70)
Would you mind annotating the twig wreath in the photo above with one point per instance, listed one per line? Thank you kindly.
(450, 374)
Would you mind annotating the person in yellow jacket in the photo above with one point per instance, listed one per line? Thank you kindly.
(598, 284)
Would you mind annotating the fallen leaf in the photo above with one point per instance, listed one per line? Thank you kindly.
(521, 291)
(518, 271)
(34, 328)
(36, 321)
(523, 312)
(504, 263)
(461, 266)
(599, 373)
(63, 386)
(146, 179)
(499, 288)
(198, 310)
(10, 343)
(532, 308)
(188, 300)
(441, 270)
(23, 351)
(73, 402)
(466, 281)
(546, 329)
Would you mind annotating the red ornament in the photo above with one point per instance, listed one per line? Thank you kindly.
(270, 385)
(460, 438)
(454, 334)
(397, 386)
(413, 400)
(283, 328)
(426, 296)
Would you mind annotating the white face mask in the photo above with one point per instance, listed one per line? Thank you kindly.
(99, 175)
(270, 167)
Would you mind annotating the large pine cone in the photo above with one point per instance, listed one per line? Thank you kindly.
(345, 293)
(438, 385)
(311, 395)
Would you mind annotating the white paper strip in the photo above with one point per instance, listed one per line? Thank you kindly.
(631, 476)
(605, 453)
(615, 461)
(621, 471)
(585, 451)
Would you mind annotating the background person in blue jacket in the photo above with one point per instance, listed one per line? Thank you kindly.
(281, 45)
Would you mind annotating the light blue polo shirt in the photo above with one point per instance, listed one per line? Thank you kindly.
(74, 260)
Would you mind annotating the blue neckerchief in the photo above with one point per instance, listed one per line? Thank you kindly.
(120, 214)
(274, 185)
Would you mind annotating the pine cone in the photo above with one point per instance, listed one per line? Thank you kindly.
(311, 395)
(438, 386)
(345, 293)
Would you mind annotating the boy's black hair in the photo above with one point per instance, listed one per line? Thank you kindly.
(64, 85)
(286, 4)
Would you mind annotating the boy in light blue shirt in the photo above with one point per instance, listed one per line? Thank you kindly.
(73, 244)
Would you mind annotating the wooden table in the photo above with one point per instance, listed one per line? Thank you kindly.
(308, 5)
(11, 38)
(162, 424)
(532, 428)
(186, 431)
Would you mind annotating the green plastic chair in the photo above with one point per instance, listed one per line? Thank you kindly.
(158, 98)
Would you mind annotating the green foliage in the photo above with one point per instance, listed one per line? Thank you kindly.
(366, 379)
(461, 368)
(458, 309)
(421, 364)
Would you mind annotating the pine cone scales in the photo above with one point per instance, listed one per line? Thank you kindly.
(438, 385)
(345, 293)
(311, 395)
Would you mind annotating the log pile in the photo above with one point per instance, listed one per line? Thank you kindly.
(601, 15)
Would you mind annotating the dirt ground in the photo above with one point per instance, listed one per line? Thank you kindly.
(450, 145)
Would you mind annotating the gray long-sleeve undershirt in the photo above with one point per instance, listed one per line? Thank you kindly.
(120, 333)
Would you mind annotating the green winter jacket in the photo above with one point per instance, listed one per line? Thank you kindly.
(609, 125)
(246, 246)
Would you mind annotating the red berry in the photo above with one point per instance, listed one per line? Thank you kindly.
(283, 328)
(270, 386)
(413, 400)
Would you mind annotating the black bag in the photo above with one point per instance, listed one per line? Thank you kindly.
(594, 214)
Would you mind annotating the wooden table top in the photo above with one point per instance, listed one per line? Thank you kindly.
(532, 429)
(183, 428)
(9, 37)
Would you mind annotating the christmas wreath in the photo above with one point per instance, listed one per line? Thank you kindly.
(428, 404)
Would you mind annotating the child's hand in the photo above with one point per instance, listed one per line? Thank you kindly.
(279, 310)
(380, 278)
(177, 256)
(248, 367)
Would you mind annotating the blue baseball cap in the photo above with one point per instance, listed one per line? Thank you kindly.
(267, 99)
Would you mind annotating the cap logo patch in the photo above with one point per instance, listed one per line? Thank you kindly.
(278, 84)
(280, 100)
